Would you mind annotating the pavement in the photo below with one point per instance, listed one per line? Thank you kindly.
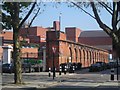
(37, 81)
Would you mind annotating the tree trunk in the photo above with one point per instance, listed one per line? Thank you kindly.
(116, 49)
(116, 57)
(16, 45)
(16, 58)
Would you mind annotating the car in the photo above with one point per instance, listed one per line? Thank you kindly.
(110, 65)
(103, 65)
(79, 66)
(67, 66)
(7, 68)
(63, 66)
(72, 67)
(95, 67)
(113, 64)
(75, 65)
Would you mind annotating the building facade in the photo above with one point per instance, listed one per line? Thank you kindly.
(62, 50)
(72, 46)
(96, 38)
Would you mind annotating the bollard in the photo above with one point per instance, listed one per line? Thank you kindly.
(73, 69)
(76, 68)
(49, 72)
(65, 70)
(55, 73)
(60, 70)
(112, 74)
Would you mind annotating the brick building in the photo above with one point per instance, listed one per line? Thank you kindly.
(72, 33)
(68, 51)
(96, 38)
(73, 45)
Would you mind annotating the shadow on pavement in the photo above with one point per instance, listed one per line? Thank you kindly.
(86, 71)
(69, 88)
(83, 88)
(20, 89)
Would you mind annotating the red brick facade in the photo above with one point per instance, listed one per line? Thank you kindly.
(69, 51)
(70, 46)
(95, 41)
(35, 34)
(96, 38)
(72, 33)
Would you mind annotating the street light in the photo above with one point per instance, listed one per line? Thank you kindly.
(54, 50)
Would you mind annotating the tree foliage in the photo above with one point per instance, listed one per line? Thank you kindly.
(8, 10)
(12, 19)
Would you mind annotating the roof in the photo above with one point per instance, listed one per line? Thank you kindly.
(97, 33)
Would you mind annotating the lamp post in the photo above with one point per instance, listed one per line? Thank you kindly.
(54, 50)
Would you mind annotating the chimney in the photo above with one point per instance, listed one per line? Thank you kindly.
(72, 33)
(56, 25)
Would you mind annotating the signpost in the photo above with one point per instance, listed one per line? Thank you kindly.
(54, 50)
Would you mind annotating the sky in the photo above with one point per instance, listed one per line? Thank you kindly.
(70, 17)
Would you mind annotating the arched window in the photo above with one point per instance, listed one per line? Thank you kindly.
(84, 58)
(70, 53)
(76, 55)
(90, 57)
(80, 55)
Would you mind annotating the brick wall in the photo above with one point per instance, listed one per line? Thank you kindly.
(95, 40)
(70, 51)
(72, 33)
(56, 25)
(32, 52)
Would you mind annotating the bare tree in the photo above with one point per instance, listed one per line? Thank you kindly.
(113, 9)
(11, 19)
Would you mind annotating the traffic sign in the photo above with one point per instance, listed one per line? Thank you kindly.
(54, 49)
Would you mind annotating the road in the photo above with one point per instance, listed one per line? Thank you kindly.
(80, 79)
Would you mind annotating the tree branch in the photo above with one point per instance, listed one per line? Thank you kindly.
(103, 4)
(83, 10)
(27, 15)
(108, 30)
(106, 7)
(101, 24)
(114, 16)
(34, 17)
(118, 21)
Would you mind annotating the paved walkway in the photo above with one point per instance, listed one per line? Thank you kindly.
(73, 80)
